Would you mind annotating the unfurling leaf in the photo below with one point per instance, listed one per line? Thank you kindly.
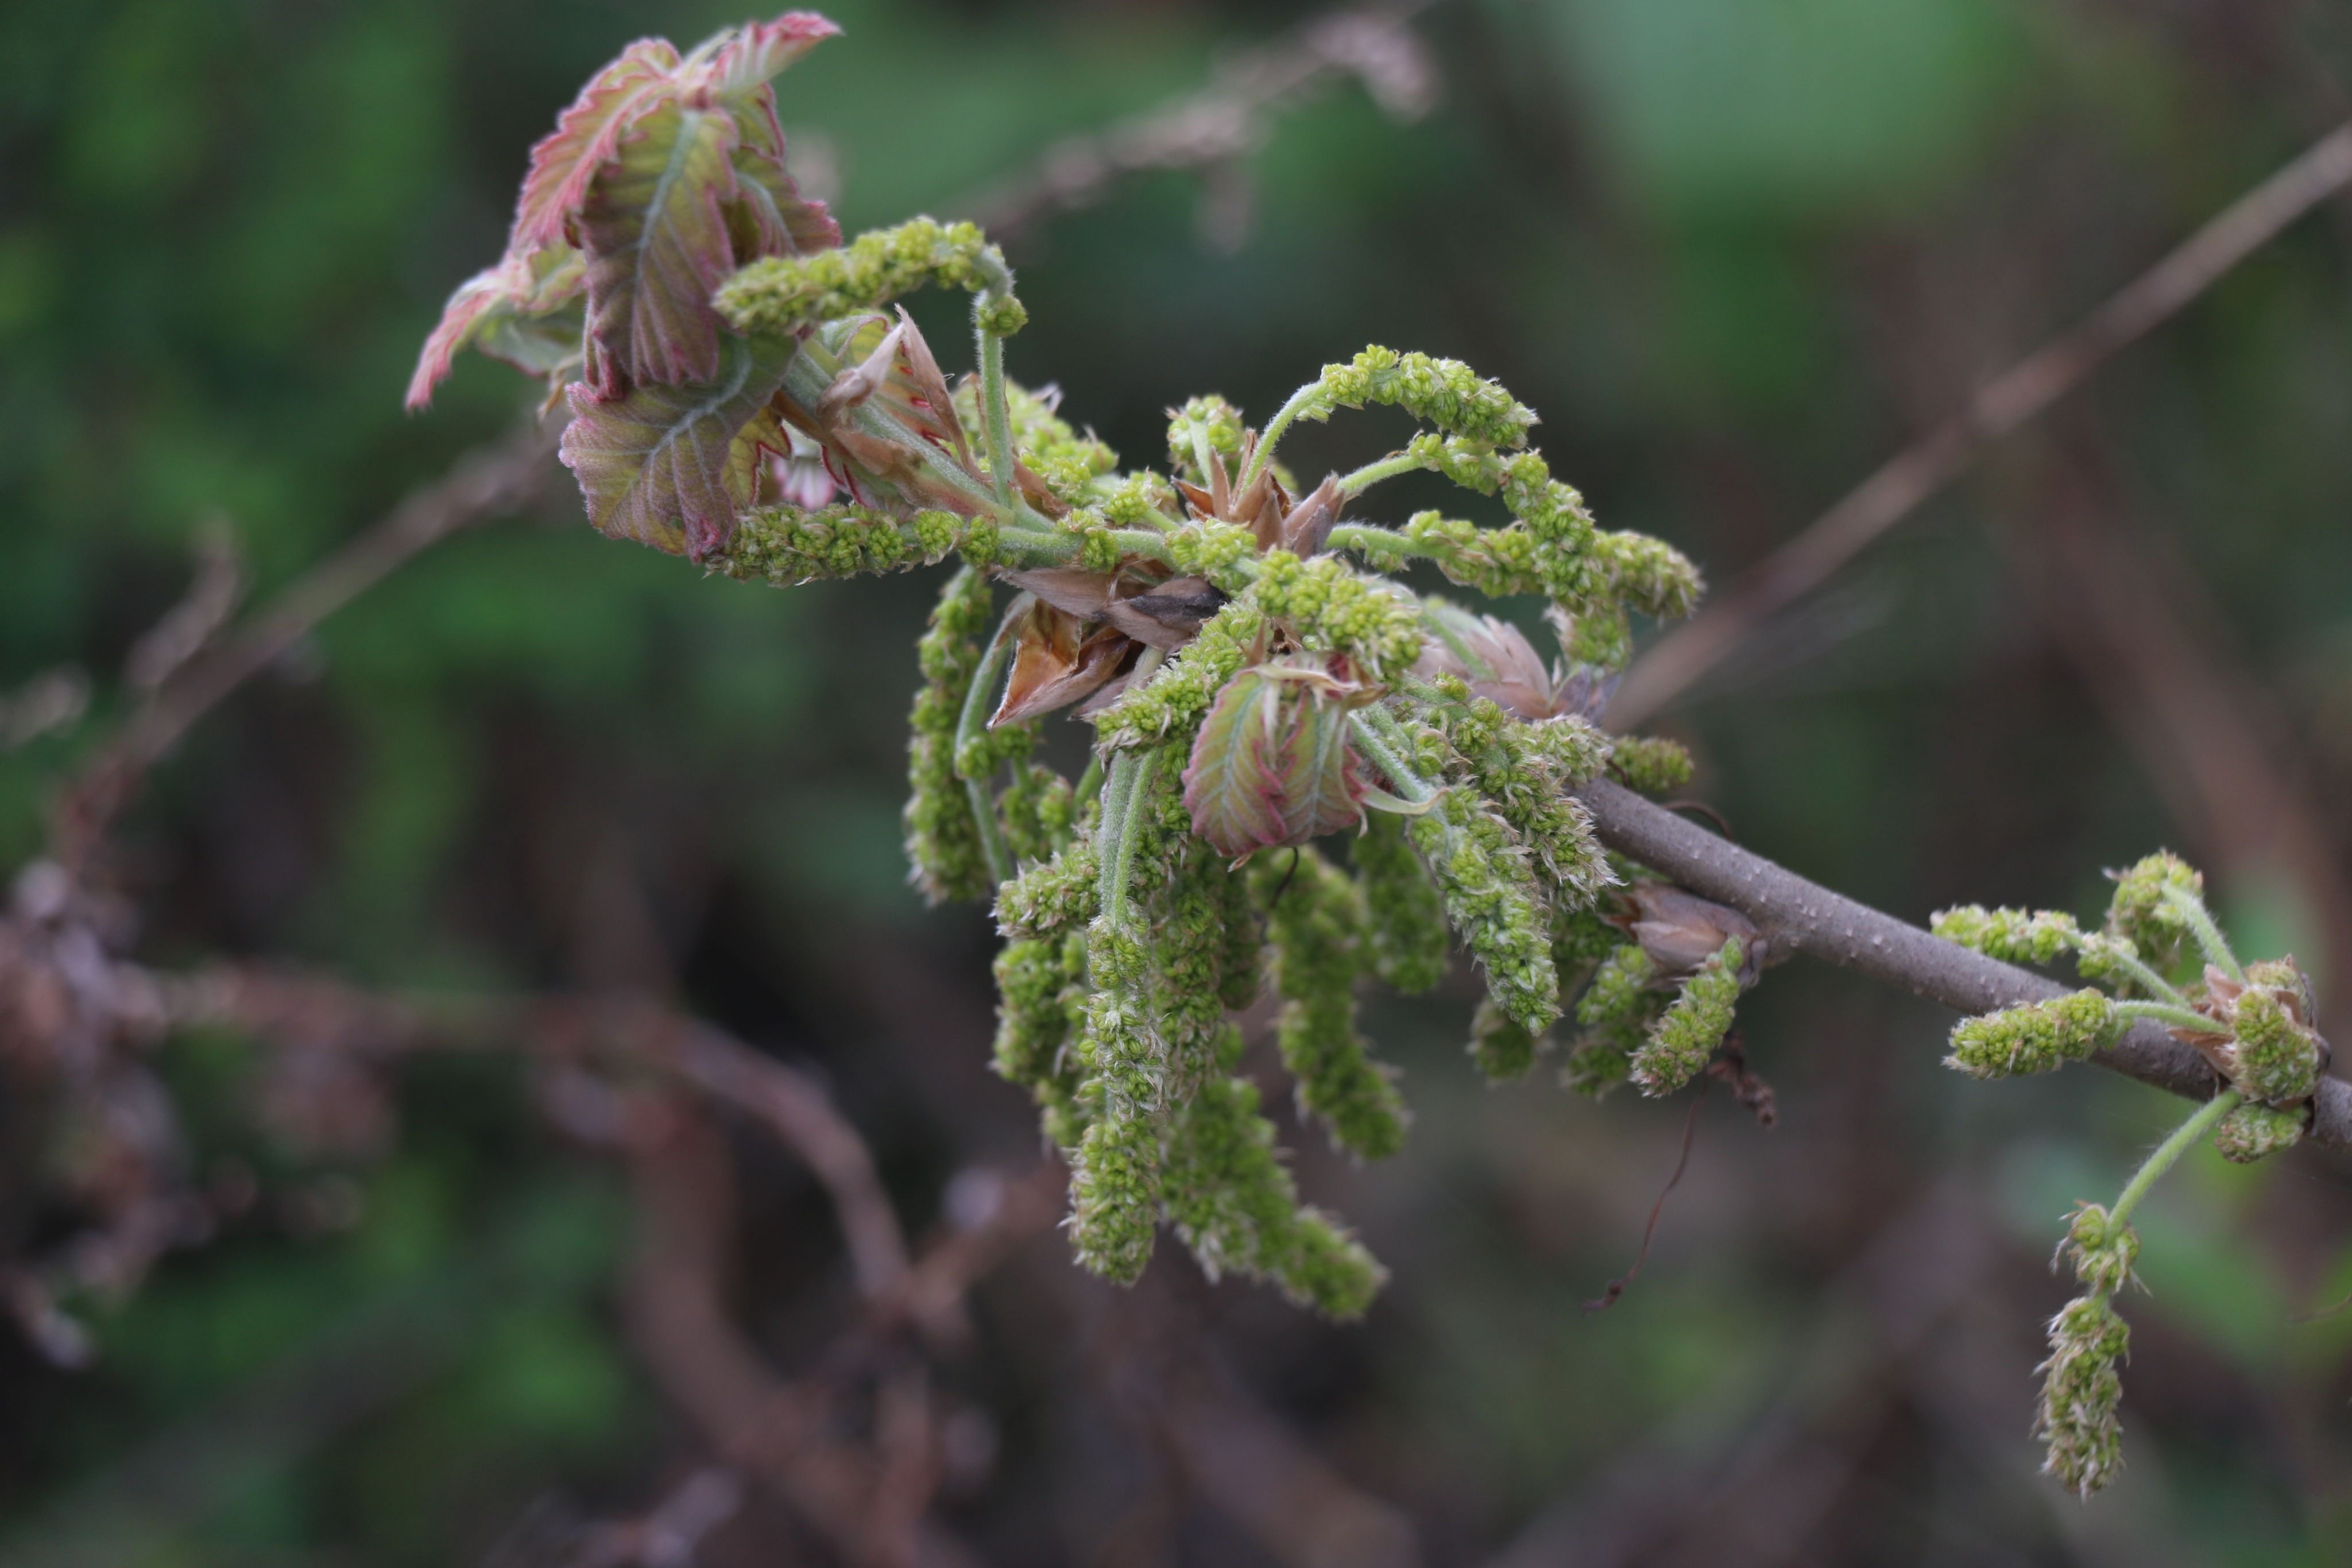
(668, 465)
(1272, 764)
(1233, 784)
(658, 248)
(525, 311)
(587, 136)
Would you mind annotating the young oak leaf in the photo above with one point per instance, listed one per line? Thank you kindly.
(669, 466)
(655, 229)
(733, 65)
(1322, 781)
(524, 310)
(587, 136)
(1233, 782)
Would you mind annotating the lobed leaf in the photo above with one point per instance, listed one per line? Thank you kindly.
(655, 233)
(669, 466)
(587, 136)
(524, 310)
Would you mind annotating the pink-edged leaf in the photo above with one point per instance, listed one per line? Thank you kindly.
(658, 247)
(731, 63)
(587, 136)
(670, 465)
(1233, 784)
(1322, 781)
(519, 311)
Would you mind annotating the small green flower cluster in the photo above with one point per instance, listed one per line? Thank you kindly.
(1405, 917)
(785, 545)
(1682, 1042)
(2040, 1036)
(781, 294)
(1644, 1022)
(1650, 764)
(1446, 393)
(1225, 553)
(1211, 420)
(1528, 771)
(1317, 925)
(1329, 607)
(943, 836)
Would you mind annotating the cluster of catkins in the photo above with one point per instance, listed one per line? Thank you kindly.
(1302, 770)
(2162, 958)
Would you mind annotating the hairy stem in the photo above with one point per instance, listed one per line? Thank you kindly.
(2209, 936)
(2148, 979)
(2170, 1015)
(1800, 916)
(1371, 474)
(970, 725)
(2170, 1150)
(1283, 417)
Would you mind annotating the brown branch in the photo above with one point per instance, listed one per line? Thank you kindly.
(1677, 660)
(1224, 124)
(1802, 917)
(484, 483)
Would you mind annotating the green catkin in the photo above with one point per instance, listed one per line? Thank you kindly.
(1491, 900)
(1500, 1045)
(1331, 608)
(1114, 1178)
(1040, 811)
(2251, 1132)
(1241, 966)
(1188, 949)
(1650, 764)
(2012, 935)
(1446, 393)
(2038, 1038)
(1525, 772)
(943, 841)
(1032, 1029)
(1054, 896)
(1620, 988)
(1681, 1042)
(787, 545)
(2081, 1389)
(2142, 914)
(1580, 937)
(779, 295)
(1170, 705)
(1602, 1058)
(1315, 925)
(1405, 917)
(1235, 1205)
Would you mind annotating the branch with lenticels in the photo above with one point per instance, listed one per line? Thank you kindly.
(1799, 916)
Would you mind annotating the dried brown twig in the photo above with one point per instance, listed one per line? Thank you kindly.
(1889, 495)
(188, 681)
(1216, 129)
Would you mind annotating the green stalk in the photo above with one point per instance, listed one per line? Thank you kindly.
(995, 409)
(1371, 474)
(2199, 1122)
(2209, 936)
(2167, 1013)
(2148, 979)
(1383, 743)
(1130, 770)
(1274, 427)
(971, 723)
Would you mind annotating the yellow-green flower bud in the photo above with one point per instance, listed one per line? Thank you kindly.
(2039, 1038)
(2100, 1251)
(1681, 1042)
(2252, 1130)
